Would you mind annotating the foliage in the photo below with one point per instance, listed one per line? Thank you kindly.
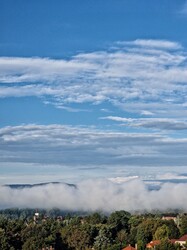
(183, 224)
(79, 236)
(166, 245)
(162, 233)
(104, 239)
(95, 218)
(173, 230)
(19, 231)
(119, 220)
(146, 230)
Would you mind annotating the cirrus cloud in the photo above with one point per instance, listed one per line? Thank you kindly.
(149, 72)
(156, 123)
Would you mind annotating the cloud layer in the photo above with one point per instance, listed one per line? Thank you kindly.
(87, 146)
(92, 195)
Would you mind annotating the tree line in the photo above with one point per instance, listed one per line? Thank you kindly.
(20, 230)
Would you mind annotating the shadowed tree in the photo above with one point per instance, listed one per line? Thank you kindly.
(119, 220)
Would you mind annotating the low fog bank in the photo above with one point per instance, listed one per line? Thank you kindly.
(93, 195)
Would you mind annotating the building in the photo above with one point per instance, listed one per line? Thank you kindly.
(174, 218)
(36, 217)
(129, 248)
(182, 240)
(152, 244)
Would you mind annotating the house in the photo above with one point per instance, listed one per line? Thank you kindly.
(152, 244)
(129, 248)
(173, 241)
(174, 218)
(182, 240)
(169, 218)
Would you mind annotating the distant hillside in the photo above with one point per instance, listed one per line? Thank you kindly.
(20, 186)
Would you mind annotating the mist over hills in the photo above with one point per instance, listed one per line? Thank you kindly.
(98, 195)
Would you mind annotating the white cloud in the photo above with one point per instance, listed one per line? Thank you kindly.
(87, 147)
(161, 44)
(155, 123)
(120, 180)
(92, 195)
(171, 176)
(149, 72)
(148, 113)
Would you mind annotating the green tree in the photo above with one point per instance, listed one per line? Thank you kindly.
(79, 236)
(161, 233)
(141, 245)
(119, 220)
(183, 224)
(173, 230)
(95, 218)
(122, 237)
(135, 220)
(145, 231)
(29, 244)
(4, 241)
(104, 239)
(166, 245)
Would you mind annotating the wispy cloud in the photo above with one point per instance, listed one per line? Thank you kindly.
(171, 176)
(159, 44)
(145, 72)
(156, 123)
(120, 180)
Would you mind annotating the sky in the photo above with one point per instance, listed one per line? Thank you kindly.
(93, 89)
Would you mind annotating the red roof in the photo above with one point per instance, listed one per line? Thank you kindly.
(173, 241)
(129, 248)
(153, 243)
(183, 238)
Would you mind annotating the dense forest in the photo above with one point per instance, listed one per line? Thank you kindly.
(29, 229)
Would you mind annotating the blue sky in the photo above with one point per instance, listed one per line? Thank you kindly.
(92, 89)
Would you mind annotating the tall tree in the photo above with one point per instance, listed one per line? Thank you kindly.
(161, 233)
(119, 220)
(183, 224)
